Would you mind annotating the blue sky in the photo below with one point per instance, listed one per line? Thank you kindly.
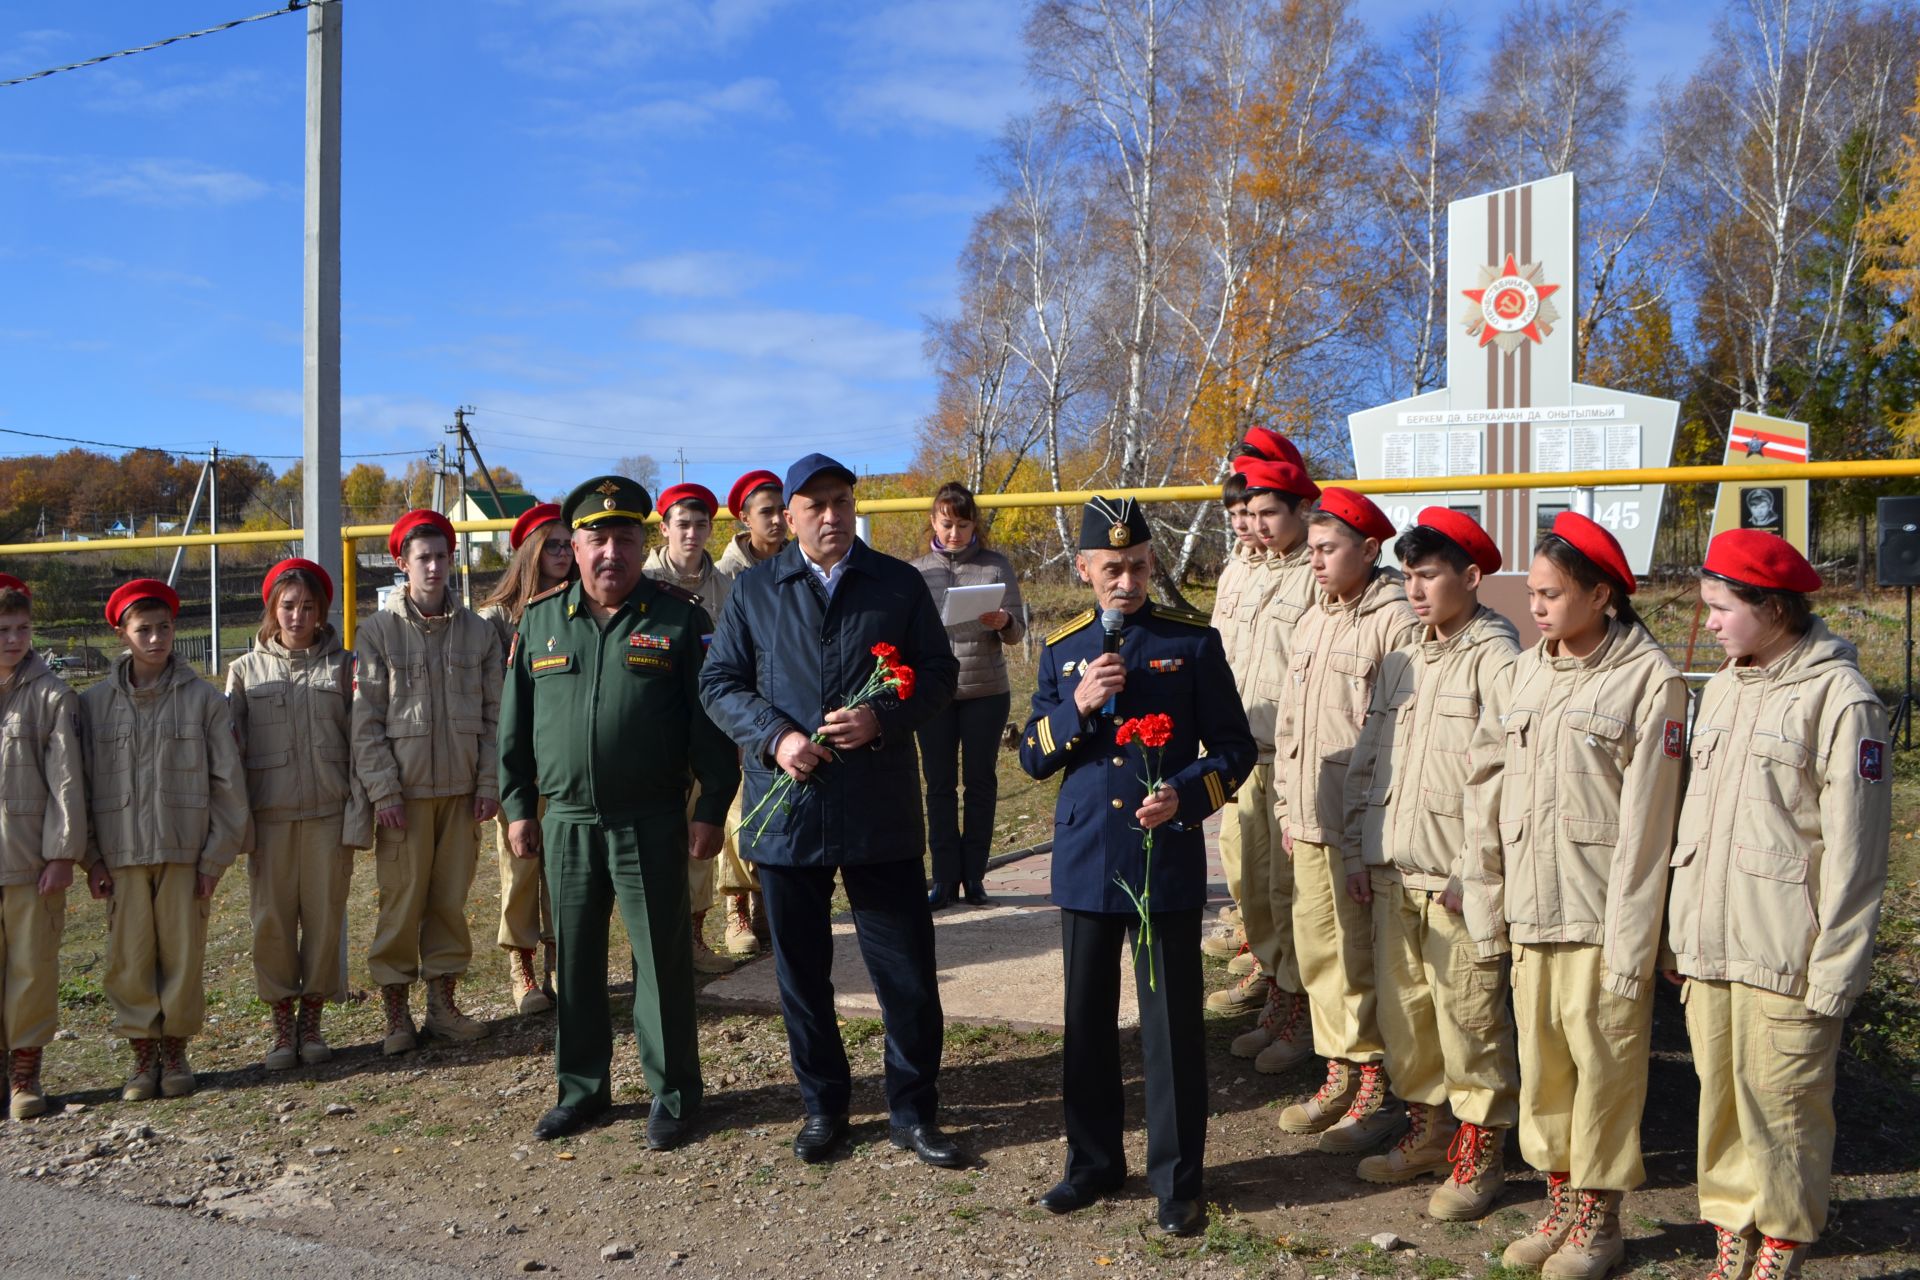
(615, 226)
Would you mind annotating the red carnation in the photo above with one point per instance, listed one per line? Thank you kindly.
(885, 652)
(1156, 730)
(1124, 732)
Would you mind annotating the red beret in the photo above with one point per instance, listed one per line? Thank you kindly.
(1760, 559)
(1277, 477)
(140, 589)
(273, 576)
(1273, 446)
(743, 488)
(1357, 511)
(9, 582)
(1464, 533)
(1596, 544)
(530, 519)
(412, 520)
(688, 492)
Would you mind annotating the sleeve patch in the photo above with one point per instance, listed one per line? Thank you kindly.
(552, 662)
(1873, 760)
(1674, 740)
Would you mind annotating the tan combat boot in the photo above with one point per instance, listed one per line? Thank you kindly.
(1224, 942)
(1250, 1042)
(400, 1033)
(1328, 1103)
(1778, 1259)
(144, 1083)
(314, 1050)
(1479, 1172)
(1534, 1248)
(23, 1079)
(741, 940)
(444, 1018)
(1370, 1117)
(176, 1073)
(1244, 961)
(1292, 1037)
(762, 927)
(527, 995)
(1594, 1246)
(1244, 996)
(1230, 916)
(283, 1056)
(1733, 1254)
(705, 958)
(1422, 1149)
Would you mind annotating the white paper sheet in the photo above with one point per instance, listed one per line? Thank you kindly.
(966, 604)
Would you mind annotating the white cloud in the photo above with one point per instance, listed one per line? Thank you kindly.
(695, 273)
(841, 345)
(115, 91)
(945, 64)
(105, 266)
(577, 38)
(679, 110)
(160, 181)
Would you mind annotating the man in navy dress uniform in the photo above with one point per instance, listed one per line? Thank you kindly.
(1094, 676)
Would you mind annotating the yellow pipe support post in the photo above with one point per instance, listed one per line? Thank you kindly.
(349, 592)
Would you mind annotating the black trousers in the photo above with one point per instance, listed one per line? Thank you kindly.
(895, 930)
(1173, 1049)
(962, 745)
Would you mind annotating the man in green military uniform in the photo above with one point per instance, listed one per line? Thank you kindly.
(602, 716)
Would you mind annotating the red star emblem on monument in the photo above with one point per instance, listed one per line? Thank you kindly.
(1511, 304)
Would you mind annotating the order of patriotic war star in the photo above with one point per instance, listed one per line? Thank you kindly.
(602, 717)
(1093, 677)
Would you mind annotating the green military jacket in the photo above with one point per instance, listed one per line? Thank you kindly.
(606, 721)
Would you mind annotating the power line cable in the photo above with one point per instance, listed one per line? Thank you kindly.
(183, 452)
(293, 6)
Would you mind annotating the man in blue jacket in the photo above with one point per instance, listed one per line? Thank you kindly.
(795, 641)
(1130, 659)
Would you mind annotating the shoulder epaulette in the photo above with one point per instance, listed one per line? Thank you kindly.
(548, 594)
(676, 591)
(1074, 624)
(1187, 616)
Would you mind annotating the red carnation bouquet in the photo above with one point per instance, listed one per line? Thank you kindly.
(1152, 733)
(889, 675)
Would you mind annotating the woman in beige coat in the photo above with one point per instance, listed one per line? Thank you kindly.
(542, 560)
(1571, 802)
(292, 703)
(1777, 875)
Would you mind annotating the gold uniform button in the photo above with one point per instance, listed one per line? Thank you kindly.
(1116, 802)
(1119, 760)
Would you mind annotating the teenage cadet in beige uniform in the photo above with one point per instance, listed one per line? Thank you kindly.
(43, 832)
(1359, 616)
(1233, 590)
(1442, 1010)
(758, 505)
(1779, 866)
(168, 799)
(427, 698)
(686, 522)
(1571, 812)
(542, 560)
(292, 703)
(1282, 1034)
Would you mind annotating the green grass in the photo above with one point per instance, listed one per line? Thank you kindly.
(1235, 1241)
(1432, 1268)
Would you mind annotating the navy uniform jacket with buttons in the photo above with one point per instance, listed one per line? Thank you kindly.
(1176, 665)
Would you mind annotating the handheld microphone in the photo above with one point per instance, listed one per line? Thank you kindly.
(1111, 620)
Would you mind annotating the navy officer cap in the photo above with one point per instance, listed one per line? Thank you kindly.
(1113, 524)
(804, 472)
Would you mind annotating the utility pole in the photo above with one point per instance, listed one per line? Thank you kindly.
(460, 540)
(213, 559)
(320, 340)
(681, 454)
(193, 510)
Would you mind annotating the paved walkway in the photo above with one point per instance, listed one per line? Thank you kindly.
(999, 964)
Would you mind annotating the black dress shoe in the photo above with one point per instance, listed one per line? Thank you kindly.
(561, 1121)
(939, 896)
(926, 1141)
(1066, 1197)
(818, 1137)
(1181, 1217)
(665, 1131)
(975, 894)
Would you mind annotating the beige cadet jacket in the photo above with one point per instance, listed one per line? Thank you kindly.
(164, 779)
(1572, 804)
(293, 713)
(426, 702)
(1782, 850)
(710, 586)
(1406, 787)
(43, 797)
(736, 559)
(1337, 652)
(1236, 607)
(1282, 590)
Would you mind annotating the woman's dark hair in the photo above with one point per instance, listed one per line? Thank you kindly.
(1791, 609)
(957, 500)
(1234, 491)
(521, 582)
(1421, 543)
(270, 624)
(1573, 562)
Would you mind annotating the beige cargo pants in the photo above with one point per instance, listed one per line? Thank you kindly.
(1334, 937)
(424, 872)
(526, 909)
(1766, 1066)
(30, 929)
(298, 875)
(1266, 880)
(1583, 1066)
(156, 952)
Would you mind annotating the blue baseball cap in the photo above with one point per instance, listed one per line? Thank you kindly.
(804, 472)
